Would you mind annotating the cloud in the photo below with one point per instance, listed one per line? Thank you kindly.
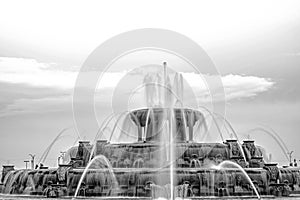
(235, 86)
(292, 54)
(29, 86)
(52, 75)
(41, 105)
(34, 73)
(32, 86)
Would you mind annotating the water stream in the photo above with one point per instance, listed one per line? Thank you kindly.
(104, 164)
(223, 164)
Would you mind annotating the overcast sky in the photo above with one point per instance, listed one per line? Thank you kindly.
(254, 44)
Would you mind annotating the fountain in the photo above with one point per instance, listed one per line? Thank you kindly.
(166, 160)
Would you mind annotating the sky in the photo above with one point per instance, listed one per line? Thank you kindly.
(255, 46)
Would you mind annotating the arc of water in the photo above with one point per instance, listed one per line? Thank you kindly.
(46, 152)
(226, 128)
(169, 91)
(100, 130)
(103, 124)
(229, 124)
(242, 170)
(115, 126)
(147, 121)
(205, 116)
(219, 130)
(282, 142)
(137, 122)
(164, 83)
(95, 144)
(118, 119)
(147, 91)
(158, 90)
(75, 141)
(215, 121)
(176, 86)
(181, 89)
(270, 134)
(110, 169)
(235, 134)
(48, 148)
(279, 138)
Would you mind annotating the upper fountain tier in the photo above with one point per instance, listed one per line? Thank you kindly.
(158, 124)
(165, 117)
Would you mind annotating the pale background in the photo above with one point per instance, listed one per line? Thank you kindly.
(254, 44)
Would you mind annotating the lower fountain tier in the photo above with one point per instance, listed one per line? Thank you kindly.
(152, 182)
(143, 170)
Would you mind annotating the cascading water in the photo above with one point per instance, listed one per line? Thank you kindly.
(11, 179)
(223, 164)
(98, 162)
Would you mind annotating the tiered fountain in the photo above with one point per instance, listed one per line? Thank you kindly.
(164, 161)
